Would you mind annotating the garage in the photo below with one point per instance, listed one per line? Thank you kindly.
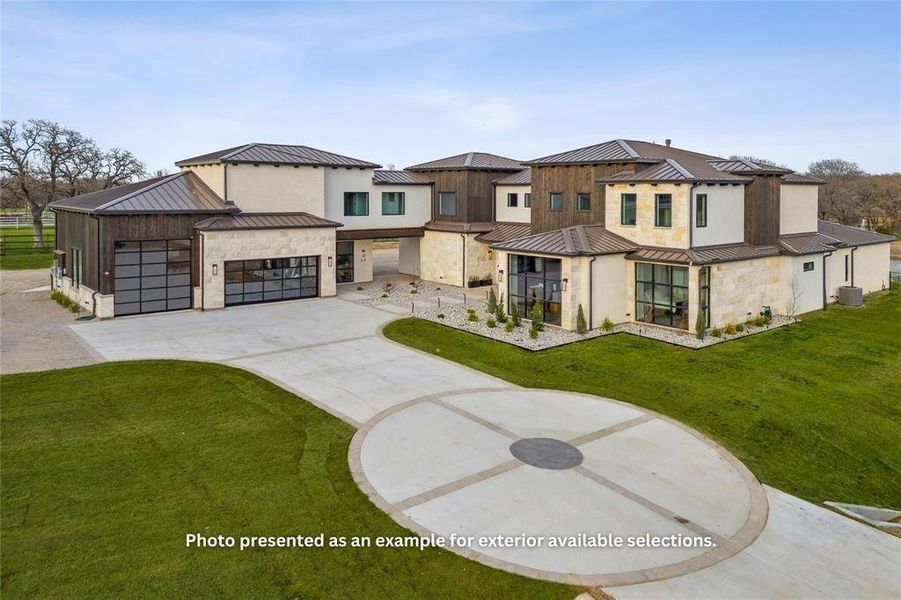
(271, 279)
(152, 276)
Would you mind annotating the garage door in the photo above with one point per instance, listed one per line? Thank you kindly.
(271, 279)
(152, 276)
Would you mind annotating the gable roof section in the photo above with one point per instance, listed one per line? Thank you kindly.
(798, 178)
(618, 151)
(299, 220)
(277, 154)
(704, 255)
(672, 170)
(741, 165)
(470, 161)
(504, 231)
(395, 177)
(523, 177)
(579, 240)
(853, 236)
(182, 192)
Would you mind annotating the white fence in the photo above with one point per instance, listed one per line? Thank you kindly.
(23, 220)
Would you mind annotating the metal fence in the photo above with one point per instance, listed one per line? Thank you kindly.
(25, 244)
(24, 220)
(894, 281)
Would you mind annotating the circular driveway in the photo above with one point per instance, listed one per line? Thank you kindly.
(542, 483)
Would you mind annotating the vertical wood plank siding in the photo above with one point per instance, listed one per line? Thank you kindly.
(78, 230)
(570, 180)
(762, 201)
(475, 193)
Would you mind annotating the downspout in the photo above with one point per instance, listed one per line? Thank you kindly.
(99, 273)
(825, 256)
(591, 293)
(463, 285)
(225, 181)
(201, 261)
(852, 265)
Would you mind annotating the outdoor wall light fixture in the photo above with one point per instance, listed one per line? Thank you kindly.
(329, 261)
(500, 275)
(362, 256)
(565, 281)
(215, 269)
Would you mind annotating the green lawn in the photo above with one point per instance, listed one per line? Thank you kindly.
(106, 468)
(22, 257)
(813, 409)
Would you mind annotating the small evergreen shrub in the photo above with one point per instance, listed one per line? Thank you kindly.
(729, 329)
(492, 302)
(515, 317)
(509, 326)
(700, 323)
(581, 324)
(413, 291)
(384, 295)
(760, 321)
(359, 288)
(472, 315)
(716, 332)
(499, 313)
(537, 325)
(491, 323)
(440, 315)
(607, 325)
(739, 328)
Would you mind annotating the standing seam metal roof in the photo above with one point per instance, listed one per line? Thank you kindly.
(388, 177)
(299, 220)
(278, 154)
(524, 177)
(475, 161)
(570, 241)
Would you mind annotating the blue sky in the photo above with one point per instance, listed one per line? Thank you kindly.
(400, 83)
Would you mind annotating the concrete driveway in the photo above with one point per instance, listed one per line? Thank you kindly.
(447, 450)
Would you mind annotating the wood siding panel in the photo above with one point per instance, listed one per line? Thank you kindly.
(475, 194)
(78, 230)
(570, 180)
(762, 205)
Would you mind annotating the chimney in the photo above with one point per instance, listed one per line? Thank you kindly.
(668, 141)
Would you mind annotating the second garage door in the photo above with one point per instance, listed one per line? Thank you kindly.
(152, 276)
(271, 279)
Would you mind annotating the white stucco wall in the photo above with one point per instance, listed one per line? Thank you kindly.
(802, 291)
(644, 232)
(518, 214)
(210, 175)
(797, 208)
(408, 255)
(363, 258)
(871, 267)
(609, 296)
(269, 188)
(417, 201)
(725, 215)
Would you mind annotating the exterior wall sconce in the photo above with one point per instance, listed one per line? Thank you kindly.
(329, 261)
(215, 269)
(500, 275)
(362, 255)
(565, 281)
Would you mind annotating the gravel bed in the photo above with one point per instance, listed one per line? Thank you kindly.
(401, 288)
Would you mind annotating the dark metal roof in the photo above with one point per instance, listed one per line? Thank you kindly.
(505, 231)
(278, 154)
(384, 177)
(828, 237)
(523, 177)
(619, 151)
(455, 227)
(579, 240)
(741, 165)
(808, 243)
(474, 161)
(704, 255)
(300, 220)
(799, 178)
(182, 192)
(853, 236)
(671, 170)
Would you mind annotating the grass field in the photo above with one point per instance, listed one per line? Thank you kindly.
(813, 409)
(106, 468)
(21, 256)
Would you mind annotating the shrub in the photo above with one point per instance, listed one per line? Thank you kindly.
(64, 301)
(359, 288)
(581, 324)
(533, 333)
(491, 323)
(729, 329)
(509, 326)
(537, 325)
(499, 313)
(387, 287)
(700, 323)
(413, 291)
(384, 295)
(492, 302)
(515, 317)
(716, 332)
(760, 321)
(607, 325)
(739, 328)
(472, 315)
(440, 315)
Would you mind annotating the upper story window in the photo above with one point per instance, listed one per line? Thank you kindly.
(392, 203)
(447, 204)
(356, 204)
(556, 201)
(808, 266)
(583, 202)
(663, 210)
(701, 210)
(512, 199)
(628, 209)
(527, 200)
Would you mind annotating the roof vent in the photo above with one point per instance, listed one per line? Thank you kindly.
(668, 142)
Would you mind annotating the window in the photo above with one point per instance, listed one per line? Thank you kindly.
(512, 200)
(77, 267)
(527, 200)
(701, 210)
(534, 279)
(808, 266)
(344, 253)
(392, 203)
(628, 210)
(556, 201)
(663, 210)
(356, 204)
(661, 295)
(704, 294)
(583, 202)
(846, 267)
(447, 204)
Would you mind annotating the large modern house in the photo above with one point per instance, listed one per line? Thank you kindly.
(628, 230)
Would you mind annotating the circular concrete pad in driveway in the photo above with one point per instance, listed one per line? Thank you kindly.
(542, 483)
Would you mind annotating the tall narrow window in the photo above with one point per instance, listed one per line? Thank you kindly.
(628, 209)
(701, 210)
(583, 202)
(556, 201)
(663, 210)
(392, 203)
(704, 294)
(447, 204)
(77, 267)
(512, 199)
(846, 267)
(527, 200)
(356, 204)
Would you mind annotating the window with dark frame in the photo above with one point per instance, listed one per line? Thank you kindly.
(583, 202)
(393, 203)
(808, 266)
(271, 279)
(527, 200)
(663, 210)
(704, 294)
(701, 210)
(344, 262)
(447, 204)
(356, 204)
(628, 209)
(77, 267)
(512, 199)
(846, 267)
(556, 201)
(151, 276)
(661, 295)
(535, 279)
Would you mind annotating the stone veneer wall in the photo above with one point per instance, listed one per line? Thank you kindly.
(441, 257)
(644, 232)
(742, 287)
(84, 296)
(479, 262)
(221, 246)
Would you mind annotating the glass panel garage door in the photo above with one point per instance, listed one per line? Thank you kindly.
(152, 276)
(271, 279)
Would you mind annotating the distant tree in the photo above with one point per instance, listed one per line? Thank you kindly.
(756, 159)
(42, 161)
(880, 201)
(839, 198)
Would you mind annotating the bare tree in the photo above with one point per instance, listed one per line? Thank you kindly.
(42, 161)
(795, 288)
(839, 197)
(880, 201)
(758, 160)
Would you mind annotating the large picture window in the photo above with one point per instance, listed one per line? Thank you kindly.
(661, 295)
(393, 203)
(447, 204)
(663, 210)
(534, 279)
(356, 204)
(628, 210)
